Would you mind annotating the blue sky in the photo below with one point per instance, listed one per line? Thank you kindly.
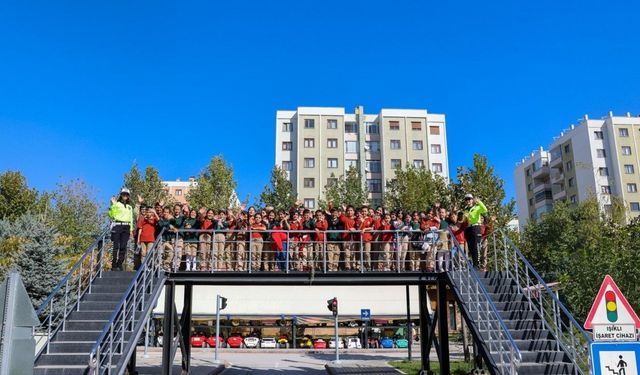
(86, 88)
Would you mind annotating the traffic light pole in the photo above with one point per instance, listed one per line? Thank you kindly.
(335, 318)
(216, 340)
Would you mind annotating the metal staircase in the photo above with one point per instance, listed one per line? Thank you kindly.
(92, 320)
(519, 322)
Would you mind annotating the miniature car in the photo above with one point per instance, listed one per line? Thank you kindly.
(198, 340)
(373, 343)
(402, 343)
(353, 342)
(268, 343)
(211, 341)
(251, 342)
(305, 342)
(332, 343)
(235, 341)
(387, 343)
(319, 344)
(283, 342)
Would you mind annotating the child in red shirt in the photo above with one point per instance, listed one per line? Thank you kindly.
(386, 239)
(146, 234)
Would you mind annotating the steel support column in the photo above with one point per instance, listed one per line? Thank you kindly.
(409, 326)
(168, 327)
(443, 327)
(425, 327)
(185, 324)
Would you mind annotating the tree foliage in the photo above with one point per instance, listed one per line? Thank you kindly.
(347, 189)
(279, 194)
(16, 197)
(417, 189)
(35, 254)
(578, 245)
(149, 186)
(216, 186)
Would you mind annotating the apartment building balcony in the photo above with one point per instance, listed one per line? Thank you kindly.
(556, 177)
(539, 186)
(541, 169)
(555, 161)
(559, 194)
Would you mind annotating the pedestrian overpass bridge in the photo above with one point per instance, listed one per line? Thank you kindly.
(92, 320)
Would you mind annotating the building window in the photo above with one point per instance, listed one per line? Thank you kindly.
(350, 127)
(628, 169)
(416, 125)
(436, 167)
(309, 143)
(632, 188)
(436, 149)
(309, 162)
(372, 146)
(571, 182)
(371, 128)
(332, 143)
(178, 192)
(623, 132)
(528, 173)
(601, 153)
(332, 163)
(373, 166)
(417, 145)
(309, 123)
(567, 149)
(374, 185)
(309, 182)
(331, 181)
(530, 201)
(396, 163)
(287, 127)
(574, 199)
(351, 147)
(350, 163)
(434, 130)
(309, 203)
(286, 165)
(626, 150)
(569, 165)
(418, 163)
(635, 206)
(394, 125)
(395, 144)
(605, 189)
(598, 134)
(287, 146)
(332, 124)
(603, 171)
(529, 187)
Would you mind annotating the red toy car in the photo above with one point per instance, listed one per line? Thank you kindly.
(211, 341)
(235, 341)
(198, 340)
(319, 344)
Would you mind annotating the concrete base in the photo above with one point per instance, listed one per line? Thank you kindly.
(353, 368)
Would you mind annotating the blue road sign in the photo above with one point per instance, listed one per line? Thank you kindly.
(615, 358)
(365, 314)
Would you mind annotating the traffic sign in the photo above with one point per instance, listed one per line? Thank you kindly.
(365, 314)
(611, 317)
(615, 358)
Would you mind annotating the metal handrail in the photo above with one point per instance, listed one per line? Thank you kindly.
(555, 316)
(515, 356)
(124, 313)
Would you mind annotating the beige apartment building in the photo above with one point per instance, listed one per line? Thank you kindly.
(317, 144)
(596, 158)
(179, 190)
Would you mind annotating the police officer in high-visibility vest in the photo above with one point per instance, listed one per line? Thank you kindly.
(121, 215)
(473, 211)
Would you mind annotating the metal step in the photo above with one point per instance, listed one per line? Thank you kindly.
(98, 306)
(536, 345)
(85, 325)
(102, 297)
(71, 346)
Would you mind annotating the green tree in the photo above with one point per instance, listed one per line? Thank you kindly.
(76, 216)
(481, 181)
(17, 198)
(417, 189)
(280, 194)
(148, 186)
(215, 186)
(37, 254)
(347, 189)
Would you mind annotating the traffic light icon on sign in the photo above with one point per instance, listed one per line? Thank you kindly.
(612, 306)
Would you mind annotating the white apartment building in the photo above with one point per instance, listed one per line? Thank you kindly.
(318, 144)
(596, 158)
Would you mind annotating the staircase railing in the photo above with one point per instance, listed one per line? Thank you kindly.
(128, 314)
(65, 297)
(570, 336)
(483, 311)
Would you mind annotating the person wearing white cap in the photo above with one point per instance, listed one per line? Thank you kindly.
(473, 211)
(121, 215)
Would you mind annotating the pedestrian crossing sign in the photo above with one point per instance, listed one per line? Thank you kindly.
(615, 358)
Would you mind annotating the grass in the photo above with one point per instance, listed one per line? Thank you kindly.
(413, 367)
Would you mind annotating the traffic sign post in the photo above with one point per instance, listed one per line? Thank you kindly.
(365, 315)
(611, 317)
(619, 358)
